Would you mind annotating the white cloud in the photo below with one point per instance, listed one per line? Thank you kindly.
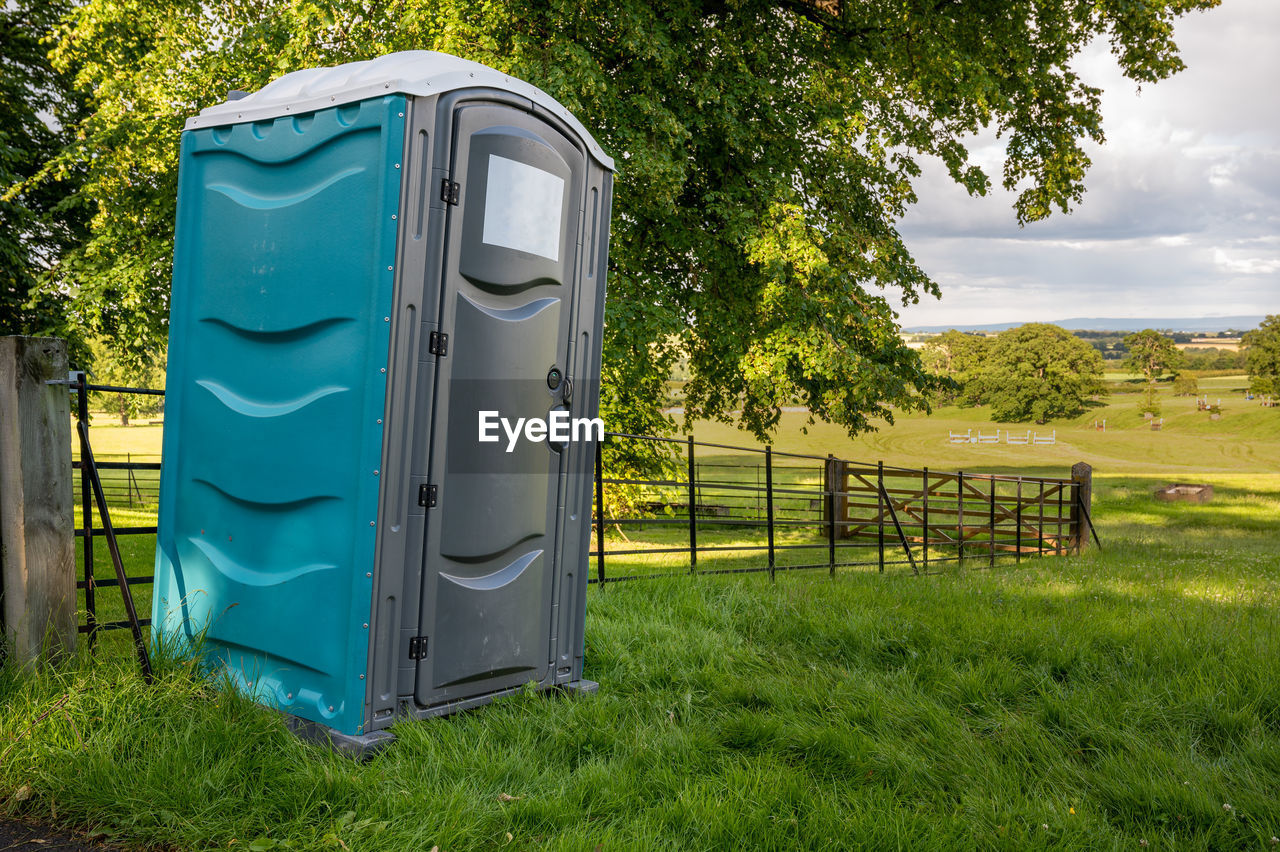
(1182, 208)
(1245, 266)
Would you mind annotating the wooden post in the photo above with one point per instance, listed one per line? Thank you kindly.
(839, 478)
(1082, 486)
(37, 526)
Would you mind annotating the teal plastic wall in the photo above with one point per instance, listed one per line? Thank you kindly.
(283, 274)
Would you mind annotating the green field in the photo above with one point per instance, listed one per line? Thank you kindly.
(1090, 702)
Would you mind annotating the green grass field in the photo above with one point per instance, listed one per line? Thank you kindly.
(1091, 702)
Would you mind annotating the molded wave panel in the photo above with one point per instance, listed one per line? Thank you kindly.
(492, 624)
(276, 387)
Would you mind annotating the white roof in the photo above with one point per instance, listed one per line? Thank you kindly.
(412, 72)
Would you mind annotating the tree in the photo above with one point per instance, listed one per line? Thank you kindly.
(767, 149)
(41, 215)
(959, 357)
(1185, 385)
(110, 369)
(1039, 372)
(1151, 355)
(1263, 355)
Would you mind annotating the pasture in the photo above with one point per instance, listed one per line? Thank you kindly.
(1115, 700)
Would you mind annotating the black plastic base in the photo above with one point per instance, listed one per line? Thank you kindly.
(360, 746)
(365, 746)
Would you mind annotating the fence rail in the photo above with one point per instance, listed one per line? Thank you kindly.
(120, 486)
(833, 513)
(741, 510)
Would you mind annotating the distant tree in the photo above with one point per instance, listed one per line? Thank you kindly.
(957, 356)
(1151, 355)
(1038, 372)
(109, 368)
(1264, 355)
(1185, 385)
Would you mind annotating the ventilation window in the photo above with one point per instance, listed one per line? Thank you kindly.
(523, 208)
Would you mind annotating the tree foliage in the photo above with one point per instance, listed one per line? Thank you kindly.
(1263, 355)
(1185, 385)
(1038, 372)
(766, 150)
(959, 357)
(1033, 372)
(1151, 355)
(41, 216)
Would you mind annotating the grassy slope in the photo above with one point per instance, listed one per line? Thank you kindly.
(1084, 703)
(1245, 440)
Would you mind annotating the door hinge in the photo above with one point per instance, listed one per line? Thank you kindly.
(438, 343)
(418, 648)
(449, 190)
(427, 496)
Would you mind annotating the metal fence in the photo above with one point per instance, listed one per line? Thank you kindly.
(106, 481)
(756, 509)
(719, 509)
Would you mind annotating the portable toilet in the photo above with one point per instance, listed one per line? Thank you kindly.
(375, 265)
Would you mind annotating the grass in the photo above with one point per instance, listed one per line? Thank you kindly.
(1245, 440)
(1084, 703)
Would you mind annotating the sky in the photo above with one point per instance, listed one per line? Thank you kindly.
(1181, 214)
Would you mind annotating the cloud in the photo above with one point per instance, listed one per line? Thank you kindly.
(1182, 207)
(1245, 266)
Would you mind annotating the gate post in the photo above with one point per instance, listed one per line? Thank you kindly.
(836, 478)
(1082, 503)
(37, 526)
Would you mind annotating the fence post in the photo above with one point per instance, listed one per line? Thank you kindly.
(1082, 486)
(924, 496)
(86, 517)
(830, 488)
(768, 486)
(1018, 520)
(1040, 522)
(1057, 542)
(693, 508)
(600, 512)
(880, 511)
(991, 528)
(37, 522)
(960, 517)
(843, 528)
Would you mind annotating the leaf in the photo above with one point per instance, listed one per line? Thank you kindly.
(22, 793)
(503, 797)
(262, 844)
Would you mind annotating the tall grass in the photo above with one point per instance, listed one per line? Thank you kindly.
(1084, 703)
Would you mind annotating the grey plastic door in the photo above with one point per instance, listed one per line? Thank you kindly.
(490, 555)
